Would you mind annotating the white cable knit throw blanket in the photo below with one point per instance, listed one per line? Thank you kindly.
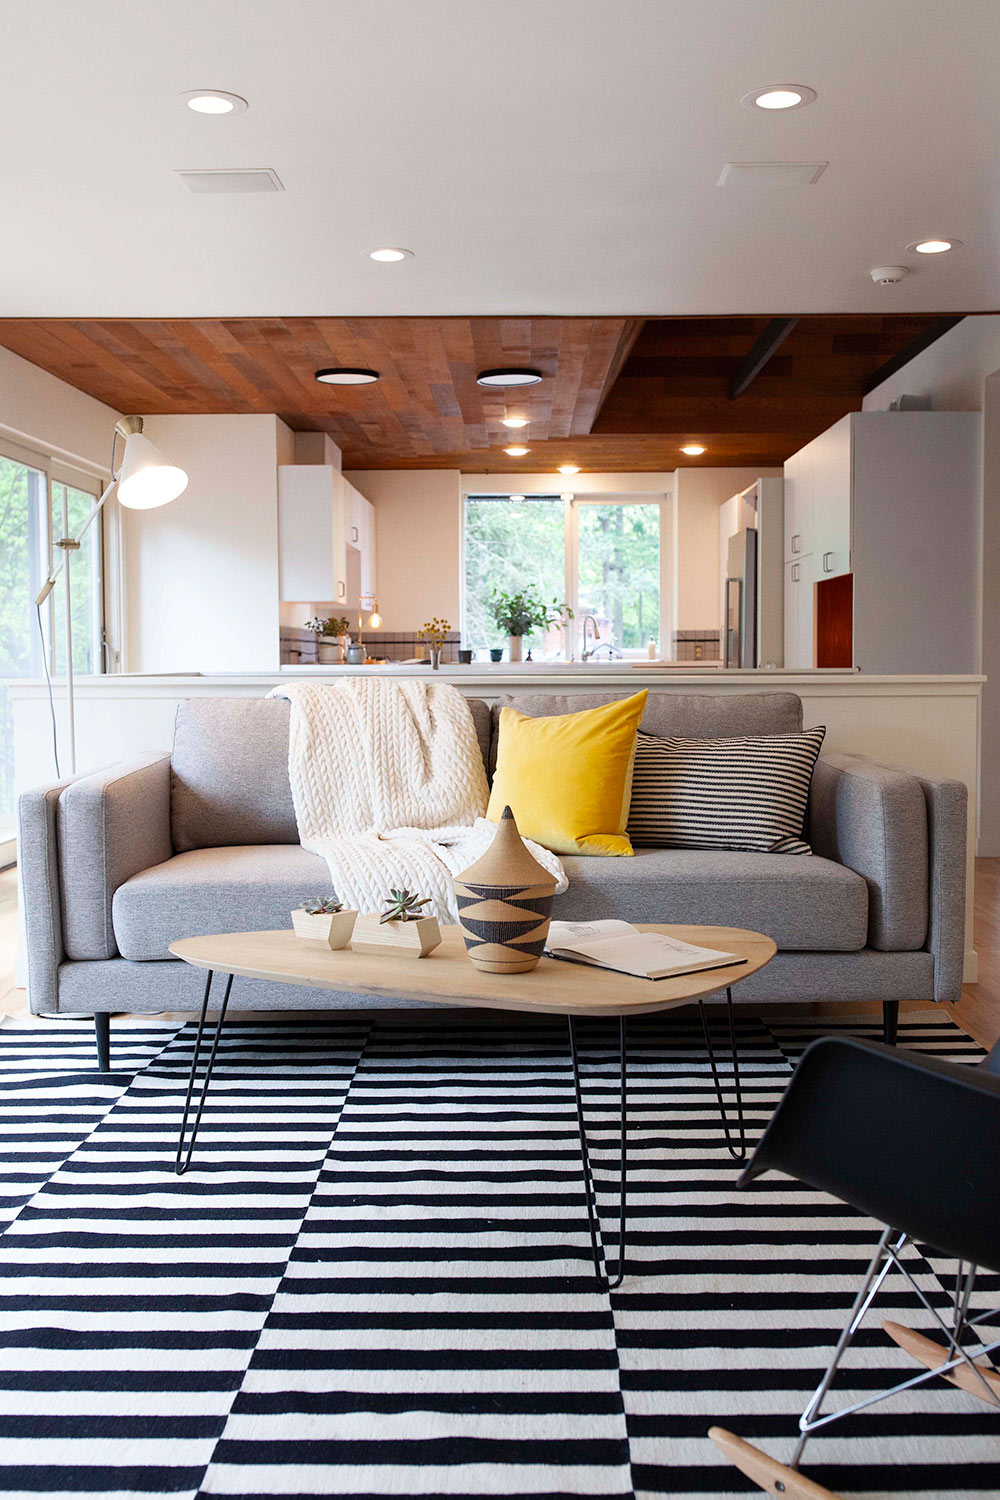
(389, 787)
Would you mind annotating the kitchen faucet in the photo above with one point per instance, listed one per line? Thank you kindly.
(586, 655)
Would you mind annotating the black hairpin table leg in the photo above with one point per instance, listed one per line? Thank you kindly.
(182, 1162)
(593, 1213)
(740, 1152)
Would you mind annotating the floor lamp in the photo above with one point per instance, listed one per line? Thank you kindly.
(144, 480)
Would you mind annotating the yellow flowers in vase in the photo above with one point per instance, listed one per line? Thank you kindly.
(435, 633)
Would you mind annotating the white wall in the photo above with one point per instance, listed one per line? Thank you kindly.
(698, 497)
(41, 411)
(201, 574)
(956, 374)
(418, 541)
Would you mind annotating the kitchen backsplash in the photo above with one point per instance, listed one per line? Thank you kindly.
(696, 645)
(298, 647)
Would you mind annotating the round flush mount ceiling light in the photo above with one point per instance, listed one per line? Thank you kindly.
(344, 375)
(515, 498)
(515, 421)
(390, 253)
(780, 96)
(569, 468)
(693, 450)
(933, 247)
(513, 376)
(213, 102)
(517, 451)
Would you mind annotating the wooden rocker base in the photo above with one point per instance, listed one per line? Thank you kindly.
(928, 1353)
(772, 1477)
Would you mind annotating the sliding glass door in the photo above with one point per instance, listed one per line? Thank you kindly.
(40, 502)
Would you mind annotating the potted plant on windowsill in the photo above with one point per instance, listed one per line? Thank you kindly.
(402, 928)
(523, 613)
(324, 921)
(331, 638)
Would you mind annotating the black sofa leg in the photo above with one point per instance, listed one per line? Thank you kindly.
(102, 1031)
(890, 1021)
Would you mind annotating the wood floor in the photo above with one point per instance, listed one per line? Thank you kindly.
(978, 1011)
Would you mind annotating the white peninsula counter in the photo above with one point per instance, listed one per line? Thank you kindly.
(924, 723)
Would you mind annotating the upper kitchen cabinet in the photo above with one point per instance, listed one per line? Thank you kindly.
(882, 523)
(361, 538)
(312, 533)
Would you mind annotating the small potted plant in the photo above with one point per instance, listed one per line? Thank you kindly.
(435, 633)
(401, 928)
(324, 921)
(523, 613)
(331, 637)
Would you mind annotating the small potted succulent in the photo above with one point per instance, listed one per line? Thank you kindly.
(331, 637)
(522, 614)
(402, 927)
(323, 920)
(435, 633)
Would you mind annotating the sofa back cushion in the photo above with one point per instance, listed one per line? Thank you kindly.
(688, 715)
(229, 771)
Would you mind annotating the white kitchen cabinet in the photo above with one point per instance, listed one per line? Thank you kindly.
(361, 536)
(891, 499)
(312, 531)
(799, 613)
(799, 505)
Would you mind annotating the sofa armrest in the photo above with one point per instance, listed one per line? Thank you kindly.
(41, 908)
(873, 819)
(110, 825)
(906, 835)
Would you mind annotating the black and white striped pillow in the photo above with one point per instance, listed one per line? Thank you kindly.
(748, 792)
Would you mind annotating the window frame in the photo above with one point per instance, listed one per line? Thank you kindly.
(571, 503)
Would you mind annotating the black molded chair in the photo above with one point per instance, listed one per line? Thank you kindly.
(913, 1141)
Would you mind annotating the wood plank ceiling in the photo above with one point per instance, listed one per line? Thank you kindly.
(619, 394)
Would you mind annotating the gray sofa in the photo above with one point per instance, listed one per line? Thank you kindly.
(202, 838)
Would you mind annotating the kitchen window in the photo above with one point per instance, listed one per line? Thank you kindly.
(605, 555)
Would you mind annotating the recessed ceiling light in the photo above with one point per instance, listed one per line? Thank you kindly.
(516, 375)
(780, 96)
(515, 497)
(213, 102)
(515, 421)
(569, 468)
(692, 449)
(390, 252)
(933, 247)
(345, 375)
(518, 451)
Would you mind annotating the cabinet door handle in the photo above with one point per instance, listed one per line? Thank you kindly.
(341, 590)
(354, 536)
(827, 562)
(796, 568)
(797, 542)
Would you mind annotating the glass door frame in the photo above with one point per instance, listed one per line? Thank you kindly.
(574, 645)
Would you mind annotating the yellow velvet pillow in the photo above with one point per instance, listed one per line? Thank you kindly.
(568, 779)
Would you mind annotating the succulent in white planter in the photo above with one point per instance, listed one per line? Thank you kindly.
(402, 927)
(323, 920)
(331, 637)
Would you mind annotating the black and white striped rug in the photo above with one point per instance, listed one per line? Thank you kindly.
(376, 1278)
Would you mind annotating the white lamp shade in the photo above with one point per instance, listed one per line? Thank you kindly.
(146, 479)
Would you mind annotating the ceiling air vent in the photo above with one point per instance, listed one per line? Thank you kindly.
(771, 173)
(231, 180)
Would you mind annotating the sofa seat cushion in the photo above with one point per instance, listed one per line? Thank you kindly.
(801, 901)
(241, 888)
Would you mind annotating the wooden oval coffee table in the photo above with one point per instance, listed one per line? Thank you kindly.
(446, 977)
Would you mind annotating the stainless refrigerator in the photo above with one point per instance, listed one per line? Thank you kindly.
(741, 600)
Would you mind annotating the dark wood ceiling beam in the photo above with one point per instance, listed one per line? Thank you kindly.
(924, 340)
(769, 343)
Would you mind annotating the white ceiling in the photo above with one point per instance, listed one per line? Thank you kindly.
(539, 156)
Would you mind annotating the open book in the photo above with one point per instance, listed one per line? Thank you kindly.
(619, 945)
